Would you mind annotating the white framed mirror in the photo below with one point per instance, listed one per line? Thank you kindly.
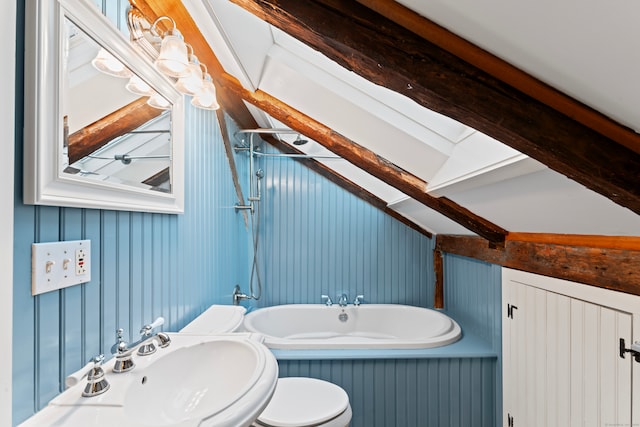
(89, 140)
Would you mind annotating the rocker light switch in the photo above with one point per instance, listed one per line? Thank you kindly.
(57, 265)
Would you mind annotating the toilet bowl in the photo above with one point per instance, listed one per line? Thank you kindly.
(304, 402)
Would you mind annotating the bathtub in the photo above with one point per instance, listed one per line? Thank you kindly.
(368, 326)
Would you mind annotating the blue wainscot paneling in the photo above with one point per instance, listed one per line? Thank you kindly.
(410, 392)
(143, 265)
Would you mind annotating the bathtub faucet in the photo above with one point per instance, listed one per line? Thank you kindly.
(344, 300)
(358, 300)
(327, 300)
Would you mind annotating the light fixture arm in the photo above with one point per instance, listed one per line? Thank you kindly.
(172, 31)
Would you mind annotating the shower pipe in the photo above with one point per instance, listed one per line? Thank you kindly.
(254, 188)
(255, 196)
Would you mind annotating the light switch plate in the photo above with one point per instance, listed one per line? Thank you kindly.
(57, 265)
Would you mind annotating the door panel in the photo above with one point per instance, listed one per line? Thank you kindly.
(561, 361)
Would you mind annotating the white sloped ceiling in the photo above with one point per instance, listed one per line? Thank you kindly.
(474, 170)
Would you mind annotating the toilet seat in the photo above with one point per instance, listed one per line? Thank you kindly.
(306, 402)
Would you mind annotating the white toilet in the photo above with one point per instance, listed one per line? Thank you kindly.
(304, 402)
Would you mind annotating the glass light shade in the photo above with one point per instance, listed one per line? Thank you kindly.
(192, 83)
(206, 98)
(106, 63)
(158, 101)
(173, 59)
(139, 87)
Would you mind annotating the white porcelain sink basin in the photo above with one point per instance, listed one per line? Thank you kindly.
(195, 382)
(204, 381)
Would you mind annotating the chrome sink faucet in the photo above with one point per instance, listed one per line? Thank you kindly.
(96, 382)
(146, 345)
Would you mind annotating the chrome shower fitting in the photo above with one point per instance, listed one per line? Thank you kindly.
(238, 296)
(300, 141)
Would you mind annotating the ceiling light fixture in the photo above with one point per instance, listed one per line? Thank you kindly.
(173, 59)
(192, 83)
(206, 97)
(158, 101)
(139, 87)
(106, 63)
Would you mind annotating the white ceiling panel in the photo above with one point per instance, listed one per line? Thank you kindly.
(586, 48)
(547, 202)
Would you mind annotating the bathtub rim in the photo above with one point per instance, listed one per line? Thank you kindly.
(454, 335)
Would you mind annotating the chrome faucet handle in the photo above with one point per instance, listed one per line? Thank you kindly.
(327, 300)
(120, 346)
(147, 344)
(96, 382)
(359, 299)
(124, 361)
(146, 329)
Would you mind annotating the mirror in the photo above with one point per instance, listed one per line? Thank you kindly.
(95, 139)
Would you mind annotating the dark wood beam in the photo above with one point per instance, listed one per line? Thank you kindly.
(438, 269)
(504, 71)
(601, 261)
(228, 149)
(370, 162)
(390, 55)
(101, 132)
(159, 178)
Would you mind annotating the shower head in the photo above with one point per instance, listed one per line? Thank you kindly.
(300, 141)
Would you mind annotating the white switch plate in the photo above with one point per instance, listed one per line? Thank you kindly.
(58, 265)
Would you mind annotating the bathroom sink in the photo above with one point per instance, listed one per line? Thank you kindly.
(195, 382)
(207, 381)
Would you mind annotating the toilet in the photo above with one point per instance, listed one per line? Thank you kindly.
(305, 402)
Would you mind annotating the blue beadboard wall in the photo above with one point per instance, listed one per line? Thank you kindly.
(316, 238)
(143, 265)
(472, 294)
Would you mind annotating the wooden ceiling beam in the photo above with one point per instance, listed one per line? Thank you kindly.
(594, 260)
(99, 133)
(504, 71)
(390, 55)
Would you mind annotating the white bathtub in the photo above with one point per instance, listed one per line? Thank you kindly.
(368, 326)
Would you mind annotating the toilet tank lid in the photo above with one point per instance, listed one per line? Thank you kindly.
(304, 402)
(217, 319)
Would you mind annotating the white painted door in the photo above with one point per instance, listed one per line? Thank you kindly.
(561, 358)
